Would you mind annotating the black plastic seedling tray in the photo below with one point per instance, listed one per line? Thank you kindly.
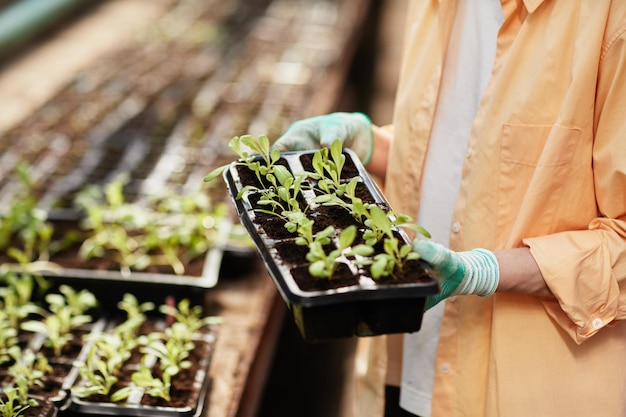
(365, 308)
(56, 386)
(109, 285)
(133, 406)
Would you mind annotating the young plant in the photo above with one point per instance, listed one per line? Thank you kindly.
(262, 160)
(15, 297)
(172, 353)
(8, 341)
(328, 164)
(189, 316)
(324, 265)
(282, 196)
(24, 223)
(29, 370)
(183, 228)
(395, 254)
(15, 404)
(298, 222)
(135, 315)
(66, 313)
(99, 371)
(109, 223)
(153, 386)
(348, 201)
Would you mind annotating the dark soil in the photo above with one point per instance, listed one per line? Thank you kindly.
(185, 390)
(44, 409)
(187, 385)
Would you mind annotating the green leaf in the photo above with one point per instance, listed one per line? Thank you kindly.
(274, 155)
(412, 256)
(347, 237)
(318, 269)
(235, 145)
(338, 157)
(321, 199)
(328, 231)
(121, 394)
(378, 268)
(362, 250)
(215, 173)
(381, 220)
(264, 144)
(283, 175)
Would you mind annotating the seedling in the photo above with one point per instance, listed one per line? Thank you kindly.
(105, 358)
(262, 160)
(15, 297)
(324, 265)
(153, 386)
(28, 370)
(66, 313)
(327, 166)
(189, 316)
(171, 229)
(8, 341)
(282, 196)
(349, 201)
(298, 222)
(25, 223)
(172, 353)
(135, 315)
(395, 254)
(14, 404)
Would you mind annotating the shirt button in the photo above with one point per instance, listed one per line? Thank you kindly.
(452, 299)
(445, 368)
(468, 153)
(456, 227)
(596, 323)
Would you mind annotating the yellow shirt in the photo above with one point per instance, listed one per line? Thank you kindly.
(545, 167)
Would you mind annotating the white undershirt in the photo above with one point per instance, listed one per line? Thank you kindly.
(466, 71)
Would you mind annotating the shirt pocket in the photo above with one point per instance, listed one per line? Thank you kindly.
(535, 162)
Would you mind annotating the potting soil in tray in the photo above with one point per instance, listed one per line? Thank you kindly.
(105, 278)
(188, 391)
(351, 302)
(189, 386)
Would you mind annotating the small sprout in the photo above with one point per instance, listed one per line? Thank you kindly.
(396, 253)
(189, 316)
(15, 404)
(327, 166)
(261, 160)
(66, 314)
(29, 369)
(324, 265)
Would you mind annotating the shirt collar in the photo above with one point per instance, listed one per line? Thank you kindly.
(532, 5)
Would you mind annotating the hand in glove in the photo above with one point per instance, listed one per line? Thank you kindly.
(353, 129)
(460, 273)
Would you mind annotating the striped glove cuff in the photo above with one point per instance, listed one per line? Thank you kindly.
(482, 273)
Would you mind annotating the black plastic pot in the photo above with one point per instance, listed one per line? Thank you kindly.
(366, 308)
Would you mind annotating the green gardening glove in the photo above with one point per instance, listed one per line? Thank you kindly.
(460, 273)
(353, 129)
